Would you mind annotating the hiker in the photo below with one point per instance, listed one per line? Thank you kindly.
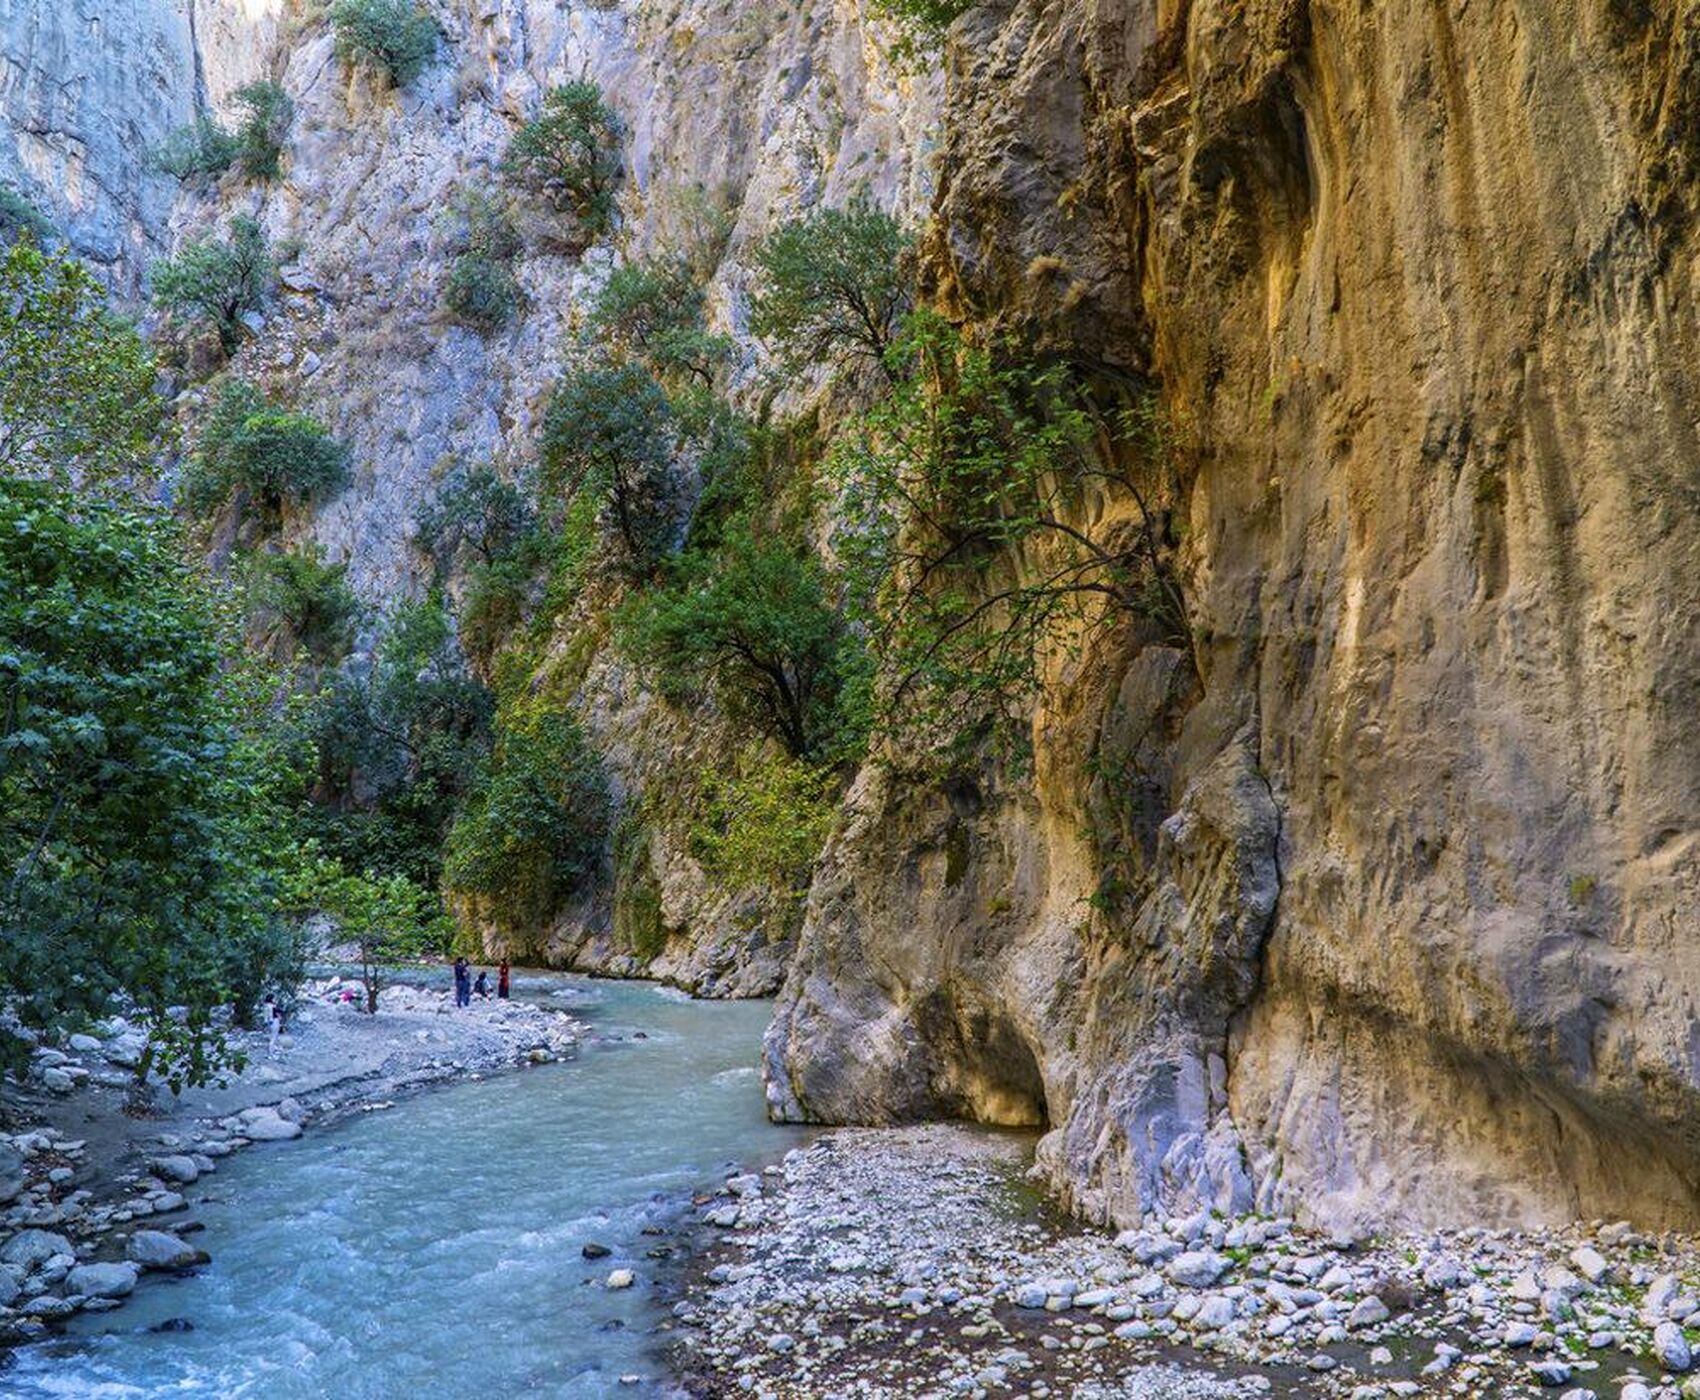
(463, 983)
(274, 1025)
(502, 979)
(482, 985)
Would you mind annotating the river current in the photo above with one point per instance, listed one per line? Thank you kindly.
(433, 1249)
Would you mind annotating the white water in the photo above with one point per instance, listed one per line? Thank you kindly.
(432, 1250)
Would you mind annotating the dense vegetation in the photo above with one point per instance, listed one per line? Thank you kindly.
(570, 153)
(204, 148)
(274, 456)
(213, 282)
(395, 38)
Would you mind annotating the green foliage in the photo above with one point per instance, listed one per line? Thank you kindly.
(213, 281)
(204, 148)
(654, 311)
(753, 621)
(268, 112)
(278, 457)
(638, 924)
(608, 434)
(921, 23)
(396, 37)
(477, 513)
(482, 290)
(201, 148)
(764, 820)
(400, 743)
(76, 383)
(570, 152)
(18, 218)
(310, 597)
(139, 831)
(533, 830)
(388, 918)
(833, 287)
(959, 492)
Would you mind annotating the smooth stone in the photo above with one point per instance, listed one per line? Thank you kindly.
(178, 1168)
(1198, 1268)
(30, 1249)
(1671, 1347)
(592, 1250)
(1368, 1312)
(158, 1249)
(103, 1280)
(621, 1278)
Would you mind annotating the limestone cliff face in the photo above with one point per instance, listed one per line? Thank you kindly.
(1415, 933)
(764, 112)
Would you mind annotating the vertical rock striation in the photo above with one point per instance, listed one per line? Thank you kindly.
(1418, 937)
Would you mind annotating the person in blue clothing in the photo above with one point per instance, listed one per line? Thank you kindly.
(463, 983)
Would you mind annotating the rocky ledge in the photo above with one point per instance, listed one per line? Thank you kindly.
(917, 1263)
(87, 1215)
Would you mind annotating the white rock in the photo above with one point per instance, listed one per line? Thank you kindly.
(621, 1278)
(158, 1249)
(103, 1280)
(1671, 1347)
(1198, 1268)
(1368, 1313)
(1590, 1263)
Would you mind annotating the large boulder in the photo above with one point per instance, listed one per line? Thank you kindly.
(265, 1125)
(103, 1280)
(159, 1249)
(30, 1249)
(178, 1167)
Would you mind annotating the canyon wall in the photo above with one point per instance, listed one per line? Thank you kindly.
(1378, 901)
(1416, 936)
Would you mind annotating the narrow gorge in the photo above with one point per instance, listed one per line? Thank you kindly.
(1309, 827)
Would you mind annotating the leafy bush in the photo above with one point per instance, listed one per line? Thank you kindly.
(833, 287)
(139, 840)
(763, 820)
(310, 597)
(399, 744)
(264, 129)
(535, 827)
(476, 511)
(19, 217)
(570, 152)
(76, 389)
(213, 281)
(397, 37)
(278, 456)
(203, 147)
(482, 292)
(958, 492)
(653, 310)
(754, 622)
(608, 433)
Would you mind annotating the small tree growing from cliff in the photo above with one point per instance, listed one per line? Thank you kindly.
(833, 287)
(482, 290)
(251, 444)
(961, 492)
(268, 112)
(655, 310)
(213, 281)
(18, 218)
(307, 595)
(396, 37)
(570, 152)
(609, 433)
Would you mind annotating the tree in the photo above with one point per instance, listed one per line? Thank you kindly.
(763, 819)
(653, 310)
(536, 824)
(482, 290)
(399, 744)
(264, 129)
(76, 383)
(310, 597)
(18, 218)
(608, 432)
(959, 496)
(213, 281)
(476, 511)
(396, 37)
(570, 152)
(201, 148)
(753, 621)
(388, 918)
(833, 287)
(138, 837)
(250, 444)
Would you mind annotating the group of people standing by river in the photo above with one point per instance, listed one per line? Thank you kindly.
(465, 986)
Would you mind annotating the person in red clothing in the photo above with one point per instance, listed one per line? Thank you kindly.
(502, 979)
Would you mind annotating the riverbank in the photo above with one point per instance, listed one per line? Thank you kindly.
(917, 1263)
(96, 1194)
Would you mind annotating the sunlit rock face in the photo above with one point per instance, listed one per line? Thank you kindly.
(1413, 934)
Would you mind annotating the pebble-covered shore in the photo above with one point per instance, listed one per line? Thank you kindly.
(914, 1263)
(87, 1213)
